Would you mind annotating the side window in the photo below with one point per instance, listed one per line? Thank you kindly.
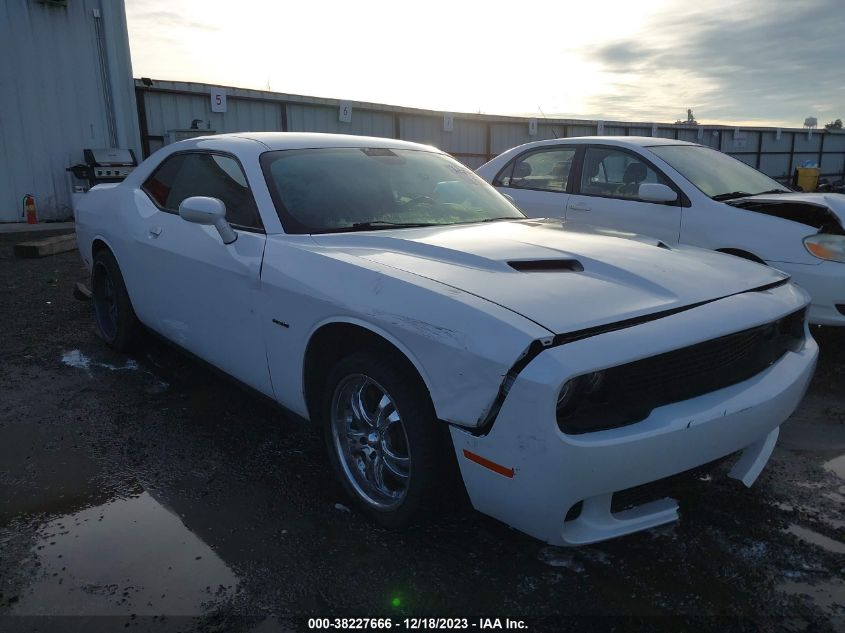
(159, 183)
(543, 170)
(612, 173)
(201, 174)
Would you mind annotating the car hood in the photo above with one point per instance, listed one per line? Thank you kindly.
(806, 208)
(584, 280)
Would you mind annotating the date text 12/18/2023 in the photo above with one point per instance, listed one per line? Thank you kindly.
(488, 624)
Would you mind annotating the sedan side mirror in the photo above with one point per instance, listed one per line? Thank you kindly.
(656, 192)
(208, 211)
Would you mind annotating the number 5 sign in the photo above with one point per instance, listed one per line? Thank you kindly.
(218, 100)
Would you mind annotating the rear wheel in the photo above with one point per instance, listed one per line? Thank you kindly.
(383, 438)
(116, 321)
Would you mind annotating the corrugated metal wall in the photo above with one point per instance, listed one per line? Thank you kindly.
(52, 103)
(166, 105)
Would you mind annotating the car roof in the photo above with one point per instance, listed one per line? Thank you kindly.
(622, 141)
(309, 140)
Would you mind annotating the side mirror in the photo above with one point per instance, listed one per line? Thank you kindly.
(656, 192)
(208, 211)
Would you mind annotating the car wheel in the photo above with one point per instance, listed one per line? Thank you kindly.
(116, 322)
(383, 438)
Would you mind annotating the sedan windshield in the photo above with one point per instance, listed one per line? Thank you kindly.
(718, 175)
(367, 189)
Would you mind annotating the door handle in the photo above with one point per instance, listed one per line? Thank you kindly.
(155, 231)
(579, 206)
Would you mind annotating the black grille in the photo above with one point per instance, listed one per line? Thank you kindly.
(672, 486)
(629, 393)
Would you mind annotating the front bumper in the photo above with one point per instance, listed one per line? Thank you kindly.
(552, 471)
(825, 282)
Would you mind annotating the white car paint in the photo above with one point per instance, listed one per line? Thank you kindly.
(489, 342)
(703, 222)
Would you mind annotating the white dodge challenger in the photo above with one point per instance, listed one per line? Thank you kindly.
(385, 292)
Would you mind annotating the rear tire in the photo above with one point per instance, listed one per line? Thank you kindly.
(116, 322)
(385, 444)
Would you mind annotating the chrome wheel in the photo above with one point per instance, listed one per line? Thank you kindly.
(105, 301)
(370, 440)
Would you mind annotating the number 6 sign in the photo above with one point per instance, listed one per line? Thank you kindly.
(344, 114)
(218, 100)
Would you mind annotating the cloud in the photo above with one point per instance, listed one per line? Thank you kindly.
(160, 18)
(760, 60)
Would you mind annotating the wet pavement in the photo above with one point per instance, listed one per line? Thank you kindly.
(149, 492)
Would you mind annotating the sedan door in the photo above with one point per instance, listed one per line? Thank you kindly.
(538, 181)
(607, 195)
(205, 294)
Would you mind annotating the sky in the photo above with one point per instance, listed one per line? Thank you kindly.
(752, 62)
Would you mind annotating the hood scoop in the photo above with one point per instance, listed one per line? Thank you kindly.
(547, 265)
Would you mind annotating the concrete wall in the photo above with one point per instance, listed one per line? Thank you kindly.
(52, 99)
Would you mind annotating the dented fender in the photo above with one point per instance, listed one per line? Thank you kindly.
(462, 345)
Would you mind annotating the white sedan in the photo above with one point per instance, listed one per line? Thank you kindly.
(683, 193)
(383, 291)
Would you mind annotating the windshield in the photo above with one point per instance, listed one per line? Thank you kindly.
(716, 174)
(348, 189)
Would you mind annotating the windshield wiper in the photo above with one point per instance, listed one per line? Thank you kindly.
(375, 224)
(772, 191)
(731, 195)
(504, 217)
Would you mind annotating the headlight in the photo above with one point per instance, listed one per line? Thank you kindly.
(576, 390)
(566, 397)
(824, 246)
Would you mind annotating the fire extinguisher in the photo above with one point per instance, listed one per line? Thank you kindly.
(29, 209)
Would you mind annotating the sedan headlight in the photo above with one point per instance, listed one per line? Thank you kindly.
(824, 246)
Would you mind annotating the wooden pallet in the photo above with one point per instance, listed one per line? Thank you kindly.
(46, 246)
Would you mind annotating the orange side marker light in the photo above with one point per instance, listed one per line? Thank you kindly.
(483, 461)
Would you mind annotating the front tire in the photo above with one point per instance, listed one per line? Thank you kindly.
(383, 438)
(116, 322)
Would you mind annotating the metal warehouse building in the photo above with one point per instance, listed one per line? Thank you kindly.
(167, 108)
(65, 85)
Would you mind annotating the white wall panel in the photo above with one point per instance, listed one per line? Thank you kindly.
(51, 97)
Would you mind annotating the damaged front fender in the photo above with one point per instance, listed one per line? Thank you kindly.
(462, 345)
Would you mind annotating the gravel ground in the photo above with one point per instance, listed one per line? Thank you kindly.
(150, 493)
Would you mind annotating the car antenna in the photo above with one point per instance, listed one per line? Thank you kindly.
(546, 118)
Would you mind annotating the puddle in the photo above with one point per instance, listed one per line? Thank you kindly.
(128, 556)
(827, 595)
(784, 507)
(129, 365)
(560, 557)
(834, 496)
(814, 538)
(836, 466)
(77, 359)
